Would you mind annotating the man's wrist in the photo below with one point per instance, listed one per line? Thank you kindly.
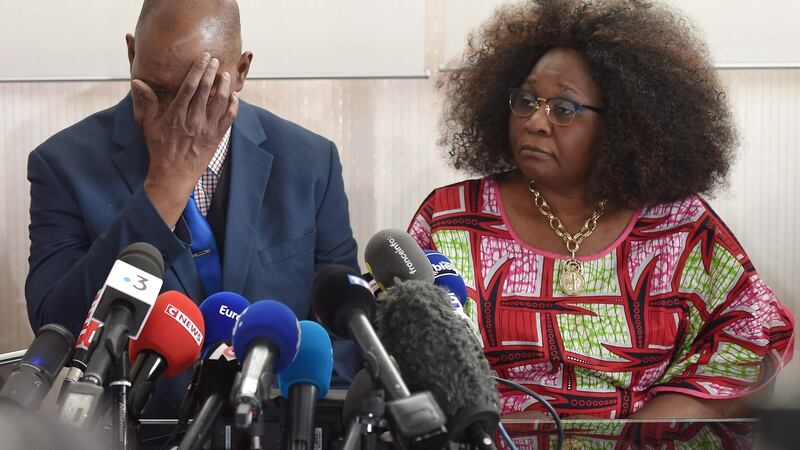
(168, 202)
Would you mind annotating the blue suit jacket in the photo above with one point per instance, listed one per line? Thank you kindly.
(287, 216)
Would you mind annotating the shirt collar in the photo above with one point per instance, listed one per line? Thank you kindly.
(215, 165)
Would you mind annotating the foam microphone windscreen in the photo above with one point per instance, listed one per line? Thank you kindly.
(174, 330)
(145, 257)
(271, 321)
(435, 352)
(337, 292)
(394, 254)
(446, 275)
(220, 312)
(314, 361)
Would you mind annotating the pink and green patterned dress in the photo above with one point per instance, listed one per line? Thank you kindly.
(674, 305)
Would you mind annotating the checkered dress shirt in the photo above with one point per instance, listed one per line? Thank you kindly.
(207, 184)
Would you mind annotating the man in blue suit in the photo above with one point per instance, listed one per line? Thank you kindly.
(270, 191)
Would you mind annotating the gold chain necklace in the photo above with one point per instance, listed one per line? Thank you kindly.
(571, 280)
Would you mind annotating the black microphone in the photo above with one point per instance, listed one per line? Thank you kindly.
(33, 376)
(211, 379)
(125, 302)
(215, 376)
(373, 285)
(304, 381)
(83, 347)
(363, 413)
(344, 303)
(361, 390)
(462, 384)
(394, 254)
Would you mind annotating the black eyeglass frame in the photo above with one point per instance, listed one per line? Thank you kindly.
(578, 106)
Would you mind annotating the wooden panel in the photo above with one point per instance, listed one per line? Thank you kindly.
(385, 131)
(760, 204)
(30, 113)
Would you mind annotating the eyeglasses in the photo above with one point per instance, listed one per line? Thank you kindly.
(559, 111)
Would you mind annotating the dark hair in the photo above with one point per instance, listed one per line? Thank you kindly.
(668, 131)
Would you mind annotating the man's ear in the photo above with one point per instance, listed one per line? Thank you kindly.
(242, 69)
(131, 50)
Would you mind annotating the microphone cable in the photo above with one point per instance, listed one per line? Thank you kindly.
(505, 436)
(184, 415)
(540, 399)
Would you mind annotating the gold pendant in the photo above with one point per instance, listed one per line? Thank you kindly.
(572, 281)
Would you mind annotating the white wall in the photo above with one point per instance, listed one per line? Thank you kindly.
(308, 38)
(738, 32)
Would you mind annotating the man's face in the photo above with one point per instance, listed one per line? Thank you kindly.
(162, 60)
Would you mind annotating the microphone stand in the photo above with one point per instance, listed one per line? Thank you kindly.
(256, 432)
(367, 425)
(120, 385)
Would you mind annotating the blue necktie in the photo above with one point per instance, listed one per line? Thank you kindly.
(204, 249)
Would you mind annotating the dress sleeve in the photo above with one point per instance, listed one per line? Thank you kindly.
(736, 334)
(420, 226)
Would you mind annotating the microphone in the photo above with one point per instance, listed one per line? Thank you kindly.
(83, 346)
(304, 381)
(363, 413)
(344, 303)
(373, 285)
(125, 302)
(447, 277)
(462, 385)
(215, 376)
(268, 334)
(394, 254)
(169, 344)
(220, 312)
(361, 390)
(33, 376)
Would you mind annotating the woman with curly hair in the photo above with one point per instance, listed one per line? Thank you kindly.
(595, 271)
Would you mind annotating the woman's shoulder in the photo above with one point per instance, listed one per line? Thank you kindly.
(692, 215)
(451, 204)
(678, 212)
(689, 212)
(462, 196)
(466, 186)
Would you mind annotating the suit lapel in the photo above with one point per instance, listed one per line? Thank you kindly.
(250, 166)
(132, 162)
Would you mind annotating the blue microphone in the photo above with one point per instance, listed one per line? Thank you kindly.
(304, 381)
(220, 312)
(446, 276)
(266, 338)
